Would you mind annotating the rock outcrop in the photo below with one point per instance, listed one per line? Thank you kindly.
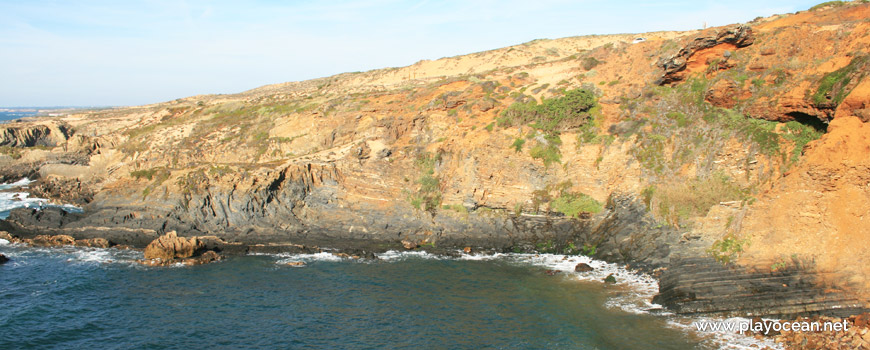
(675, 67)
(170, 246)
(50, 135)
(170, 249)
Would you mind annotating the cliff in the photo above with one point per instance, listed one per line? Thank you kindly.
(729, 161)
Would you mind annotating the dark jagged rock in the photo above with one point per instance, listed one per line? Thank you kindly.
(3, 259)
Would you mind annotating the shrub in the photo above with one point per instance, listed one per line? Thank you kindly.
(834, 84)
(679, 201)
(727, 249)
(828, 3)
(800, 135)
(548, 153)
(573, 204)
(565, 112)
(518, 144)
(428, 195)
(590, 62)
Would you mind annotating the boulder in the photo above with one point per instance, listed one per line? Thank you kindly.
(3, 259)
(583, 267)
(170, 246)
(408, 244)
(610, 279)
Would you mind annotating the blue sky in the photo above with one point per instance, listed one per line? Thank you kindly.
(101, 53)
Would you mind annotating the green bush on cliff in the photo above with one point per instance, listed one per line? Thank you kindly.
(547, 152)
(428, 195)
(833, 85)
(559, 113)
(727, 249)
(573, 204)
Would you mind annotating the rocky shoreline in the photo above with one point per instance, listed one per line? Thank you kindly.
(691, 282)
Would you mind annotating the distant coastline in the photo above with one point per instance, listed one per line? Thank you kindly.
(12, 113)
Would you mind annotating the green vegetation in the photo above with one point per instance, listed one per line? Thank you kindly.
(548, 150)
(428, 195)
(459, 208)
(560, 113)
(518, 144)
(828, 3)
(576, 109)
(682, 128)
(157, 175)
(589, 63)
(13, 152)
(679, 201)
(779, 265)
(573, 204)
(150, 174)
(727, 249)
(833, 85)
(489, 126)
(589, 249)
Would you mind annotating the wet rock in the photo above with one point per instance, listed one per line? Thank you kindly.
(205, 258)
(409, 245)
(583, 267)
(170, 246)
(93, 243)
(296, 263)
(552, 272)
(12, 239)
(51, 241)
(467, 250)
(3, 259)
(610, 279)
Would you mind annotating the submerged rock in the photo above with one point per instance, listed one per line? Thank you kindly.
(583, 267)
(296, 263)
(610, 279)
(3, 259)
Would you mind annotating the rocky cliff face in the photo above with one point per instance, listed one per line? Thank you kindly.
(691, 155)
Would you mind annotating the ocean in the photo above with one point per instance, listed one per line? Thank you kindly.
(73, 297)
(10, 115)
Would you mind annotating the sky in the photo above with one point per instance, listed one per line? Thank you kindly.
(119, 53)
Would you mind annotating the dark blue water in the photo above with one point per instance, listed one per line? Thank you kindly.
(77, 298)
